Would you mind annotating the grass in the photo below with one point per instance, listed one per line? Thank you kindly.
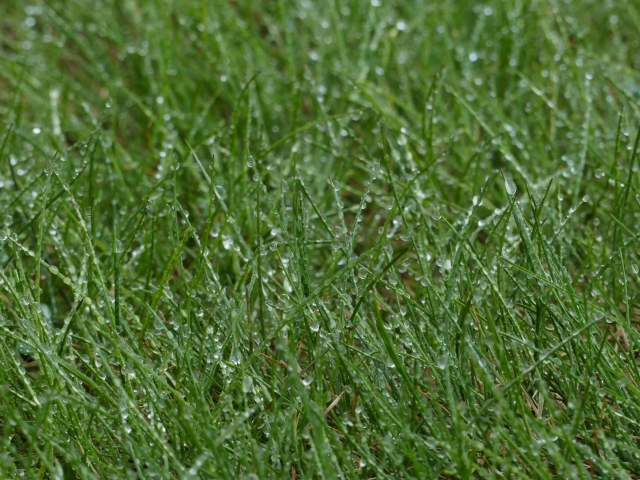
(295, 239)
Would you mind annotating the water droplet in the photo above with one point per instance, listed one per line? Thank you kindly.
(235, 358)
(510, 186)
(442, 361)
(3, 235)
(406, 235)
(221, 193)
(247, 384)
(362, 273)
(306, 381)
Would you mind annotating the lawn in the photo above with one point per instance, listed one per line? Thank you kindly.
(301, 239)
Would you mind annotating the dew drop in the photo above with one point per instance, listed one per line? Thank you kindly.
(235, 358)
(247, 384)
(510, 186)
(442, 361)
(221, 193)
(362, 273)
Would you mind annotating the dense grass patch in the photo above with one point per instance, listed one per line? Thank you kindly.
(297, 239)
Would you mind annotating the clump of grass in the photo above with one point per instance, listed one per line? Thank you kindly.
(356, 239)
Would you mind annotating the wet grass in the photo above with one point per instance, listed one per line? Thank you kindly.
(298, 239)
